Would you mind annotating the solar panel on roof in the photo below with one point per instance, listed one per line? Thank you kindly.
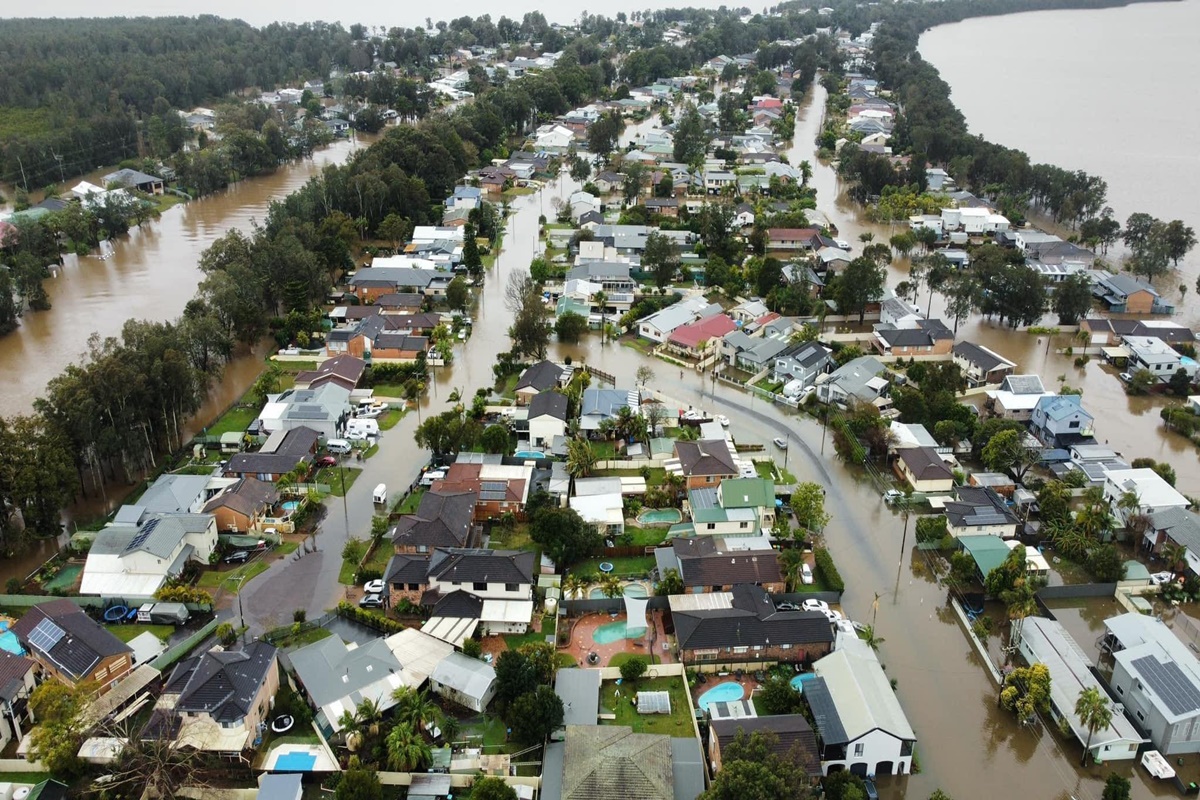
(143, 534)
(46, 635)
(492, 495)
(987, 519)
(493, 486)
(1169, 683)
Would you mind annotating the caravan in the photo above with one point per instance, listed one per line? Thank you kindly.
(380, 495)
(362, 428)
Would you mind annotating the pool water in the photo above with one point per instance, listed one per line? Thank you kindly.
(290, 506)
(9, 642)
(728, 692)
(528, 454)
(799, 681)
(615, 631)
(630, 590)
(296, 761)
(661, 516)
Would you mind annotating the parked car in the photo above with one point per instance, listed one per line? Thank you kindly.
(780, 442)
(812, 604)
(326, 461)
(724, 420)
(237, 557)
(371, 601)
(892, 495)
(806, 574)
(373, 587)
(841, 244)
(1125, 376)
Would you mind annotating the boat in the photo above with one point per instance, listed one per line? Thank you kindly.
(1157, 766)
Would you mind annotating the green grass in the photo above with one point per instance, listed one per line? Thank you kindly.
(390, 418)
(658, 475)
(128, 632)
(307, 637)
(604, 450)
(565, 660)
(643, 345)
(513, 641)
(488, 731)
(508, 386)
(773, 472)
(515, 539)
(408, 505)
(31, 778)
(297, 366)
(622, 565)
(228, 578)
(370, 451)
(164, 201)
(644, 537)
(235, 420)
(380, 557)
(287, 548)
(333, 476)
(768, 385)
(674, 724)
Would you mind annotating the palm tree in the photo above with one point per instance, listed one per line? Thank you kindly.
(414, 708)
(601, 300)
(348, 723)
(369, 716)
(581, 458)
(1094, 712)
(450, 727)
(407, 750)
(1129, 504)
(1021, 604)
(611, 586)
(868, 636)
(573, 585)
(1173, 553)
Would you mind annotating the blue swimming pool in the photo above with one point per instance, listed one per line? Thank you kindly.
(291, 505)
(614, 631)
(9, 643)
(528, 454)
(728, 692)
(660, 516)
(799, 681)
(296, 761)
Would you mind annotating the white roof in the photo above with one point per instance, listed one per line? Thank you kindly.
(605, 509)
(508, 611)
(464, 674)
(1151, 489)
(105, 575)
(418, 653)
(453, 630)
(914, 435)
(710, 601)
(1034, 560)
(146, 646)
(861, 691)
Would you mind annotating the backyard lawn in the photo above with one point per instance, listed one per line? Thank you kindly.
(488, 732)
(334, 477)
(235, 420)
(622, 565)
(515, 538)
(675, 724)
(408, 505)
(128, 632)
(532, 636)
(658, 475)
(644, 536)
(303, 638)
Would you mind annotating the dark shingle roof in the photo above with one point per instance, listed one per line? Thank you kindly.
(222, 683)
(407, 569)
(977, 505)
(13, 670)
(707, 457)
(751, 621)
(548, 404)
(794, 737)
(297, 446)
(248, 496)
(442, 520)
(540, 376)
(458, 605)
(724, 569)
(981, 357)
(79, 643)
(925, 464)
(825, 714)
(468, 565)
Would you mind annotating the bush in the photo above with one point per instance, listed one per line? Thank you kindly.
(827, 572)
(633, 669)
(226, 635)
(299, 615)
(931, 529)
(472, 648)
(12, 586)
(364, 617)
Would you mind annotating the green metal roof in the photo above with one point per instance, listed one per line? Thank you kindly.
(747, 493)
(988, 552)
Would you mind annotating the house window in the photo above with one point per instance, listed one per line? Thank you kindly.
(1141, 716)
(859, 747)
(708, 479)
(480, 586)
(785, 647)
(743, 525)
(511, 587)
(906, 748)
(741, 649)
(1120, 690)
(422, 548)
(712, 526)
(1074, 424)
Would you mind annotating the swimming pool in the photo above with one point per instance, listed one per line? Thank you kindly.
(629, 590)
(9, 642)
(615, 631)
(528, 454)
(660, 516)
(728, 692)
(799, 681)
(295, 761)
(290, 506)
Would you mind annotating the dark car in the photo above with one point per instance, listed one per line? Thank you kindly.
(326, 461)
(371, 601)
(237, 557)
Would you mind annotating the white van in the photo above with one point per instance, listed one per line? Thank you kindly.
(380, 494)
(362, 428)
(339, 447)
(433, 475)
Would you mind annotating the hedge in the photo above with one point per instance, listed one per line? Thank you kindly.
(371, 620)
(931, 529)
(827, 572)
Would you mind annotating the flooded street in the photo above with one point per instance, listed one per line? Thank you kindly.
(152, 274)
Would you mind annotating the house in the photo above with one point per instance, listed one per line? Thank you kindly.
(374, 282)
(802, 362)
(603, 510)
(658, 326)
(613, 276)
(862, 727)
(1176, 526)
(611, 762)
(704, 463)
(1156, 356)
(743, 626)
(71, 646)
(1016, 398)
(467, 197)
(663, 206)
(979, 511)
(400, 303)
(833, 259)
(792, 738)
(1124, 294)
(242, 506)
(1046, 641)
(18, 679)
(793, 239)
(912, 435)
(981, 366)
(464, 681)
(219, 700)
(1157, 679)
(608, 182)
(280, 786)
(1153, 493)
(134, 561)
(547, 418)
(499, 489)
(706, 565)
(344, 371)
(860, 379)
(324, 410)
(132, 179)
(597, 405)
(989, 552)
(924, 470)
(711, 518)
(698, 340)
(1061, 420)
(897, 313)
(930, 337)
(755, 494)
(282, 453)
(1105, 331)
(538, 378)
(473, 589)
(442, 519)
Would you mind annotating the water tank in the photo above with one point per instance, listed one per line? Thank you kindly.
(551, 605)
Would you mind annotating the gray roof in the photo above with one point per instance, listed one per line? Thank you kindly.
(579, 690)
(548, 404)
(289, 450)
(466, 675)
(750, 619)
(158, 536)
(1124, 285)
(854, 375)
(709, 457)
(130, 178)
(171, 494)
(330, 671)
(540, 376)
(395, 277)
(824, 711)
(975, 506)
(1181, 525)
(925, 464)
(861, 691)
(687, 768)
(1023, 384)
(793, 735)
(612, 761)
(442, 520)
(806, 354)
(980, 356)
(594, 270)
(280, 787)
(606, 403)
(468, 565)
(67, 637)
(222, 683)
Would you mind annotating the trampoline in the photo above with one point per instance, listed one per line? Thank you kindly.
(282, 723)
(117, 613)
(605, 566)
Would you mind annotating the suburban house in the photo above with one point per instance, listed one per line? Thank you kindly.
(324, 410)
(704, 463)
(1159, 358)
(1046, 641)
(172, 494)
(134, 561)
(400, 303)
(1016, 398)
(473, 589)
(464, 681)
(597, 405)
(1178, 526)
(697, 340)
(662, 323)
(133, 179)
(1153, 493)
(981, 366)
(862, 727)
(977, 511)
(1124, 294)
(371, 283)
(611, 762)
(18, 679)
(706, 565)
(802, 362)
(863, 379)
(930, 337)
(282, 453)
(793, 239)
(1157, 679)
(243, 506)
(613, 276)
(538, 378)
(906, 435)
(1107, 331)
(710, 518)
(793, 738)
(1061, 421)
(897, 313)
(217, 701)
(743, 626)
(547, 418)
(755, 494)
(924, 470)
(71, 646)
(343, 370)
(498, 489)
(989, 552)
(441, 520)
(603, 510)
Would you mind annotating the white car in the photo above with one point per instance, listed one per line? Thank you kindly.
(845, 626)
(724, 420)
(892, 495)
(842, 243)
(806, 574)
(1159, 578)
(812, 604)
(780, 442)
(373, 587)
(834, 616)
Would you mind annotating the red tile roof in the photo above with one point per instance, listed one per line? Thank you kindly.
(713, 327)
